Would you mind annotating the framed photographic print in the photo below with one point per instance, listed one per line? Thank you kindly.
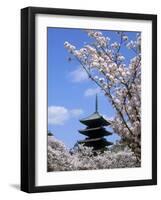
(88, 99)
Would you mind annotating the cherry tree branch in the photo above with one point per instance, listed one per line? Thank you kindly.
(108, 94)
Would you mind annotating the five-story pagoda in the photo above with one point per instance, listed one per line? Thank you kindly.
(95, 130)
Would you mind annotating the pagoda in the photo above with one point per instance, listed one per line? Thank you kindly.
(95, 130)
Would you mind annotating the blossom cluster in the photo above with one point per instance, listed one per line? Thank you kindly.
(119, 79)
(84, 158)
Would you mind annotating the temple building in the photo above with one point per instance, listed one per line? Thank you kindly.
(95, 130)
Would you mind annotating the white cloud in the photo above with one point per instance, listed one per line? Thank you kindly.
(76, 112)
(78, 75)
(58, 115)
(91, 91)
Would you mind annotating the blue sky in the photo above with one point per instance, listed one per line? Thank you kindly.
(71, 95)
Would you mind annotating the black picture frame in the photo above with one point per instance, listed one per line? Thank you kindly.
(28, 99)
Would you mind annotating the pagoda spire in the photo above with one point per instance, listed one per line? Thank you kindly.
(95, 130)
(96, 104)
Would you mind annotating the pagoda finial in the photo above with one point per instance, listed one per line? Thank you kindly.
(96, 104)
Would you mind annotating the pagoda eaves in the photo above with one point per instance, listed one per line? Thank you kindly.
(96, 143)
(95, 130)
(95, 120)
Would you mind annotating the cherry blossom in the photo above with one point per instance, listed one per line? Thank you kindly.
(84, 158)
(120, 81)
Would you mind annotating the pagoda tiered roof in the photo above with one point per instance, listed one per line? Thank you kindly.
(97, 143)
(95, 119)
(94, 132)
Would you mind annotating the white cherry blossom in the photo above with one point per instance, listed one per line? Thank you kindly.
(119, 78)
(84, 158)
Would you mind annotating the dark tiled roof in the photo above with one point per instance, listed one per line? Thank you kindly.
(95, 118)
(103, 140)
(95, 131)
